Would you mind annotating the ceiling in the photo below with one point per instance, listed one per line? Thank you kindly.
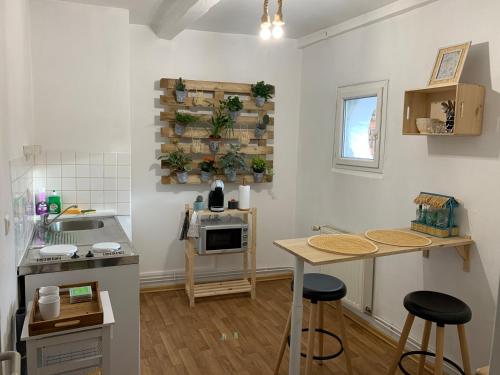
(302, 17)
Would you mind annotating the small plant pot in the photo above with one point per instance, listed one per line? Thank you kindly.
(258, 177)
(214, 145)
(260, 101)
(180, 96)
(179, 128)
(198, 206)
(205, 176)
(182, 177)
(234, 115)
(230, 174)
(259, 133)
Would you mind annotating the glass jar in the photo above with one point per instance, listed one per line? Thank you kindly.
(442, 217)
(431, 217)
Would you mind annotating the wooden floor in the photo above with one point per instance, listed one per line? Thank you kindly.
(237, 335)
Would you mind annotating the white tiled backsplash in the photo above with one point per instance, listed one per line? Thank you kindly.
(21, 178)
(92, 180)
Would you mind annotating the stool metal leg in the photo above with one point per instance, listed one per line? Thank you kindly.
(283, 343)
(321, 324)
(464, 349)
(402, 342)
(425, 346)
(310, 338)
(345, 340)
(438, 365)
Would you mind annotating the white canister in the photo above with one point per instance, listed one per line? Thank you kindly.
(244, 197)
(50, 307)
(48, 291)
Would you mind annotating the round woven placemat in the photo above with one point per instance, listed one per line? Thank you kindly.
(397, 238)
(344, 244)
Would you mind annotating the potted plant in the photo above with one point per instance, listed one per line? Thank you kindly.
(182, 120)
(179, 162)
(231, 162)
(234, 106)
(259, 166)
(261, 126)
(180, 91)
(220, 124)
(262, 92)
(269, 174)
(207, 167)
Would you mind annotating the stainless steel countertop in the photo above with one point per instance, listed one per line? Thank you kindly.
(112, 231)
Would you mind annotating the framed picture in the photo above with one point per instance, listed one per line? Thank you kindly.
(449, 64)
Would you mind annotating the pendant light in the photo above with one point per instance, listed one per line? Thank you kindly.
(278, 21)
(265, 22)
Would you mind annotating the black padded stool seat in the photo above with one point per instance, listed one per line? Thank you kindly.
(320, 287)
(437, 307)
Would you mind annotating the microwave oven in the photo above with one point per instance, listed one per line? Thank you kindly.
(222, 234)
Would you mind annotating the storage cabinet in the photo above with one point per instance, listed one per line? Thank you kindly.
(426, 103)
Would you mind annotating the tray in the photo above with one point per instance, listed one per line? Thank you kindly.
(344, 244)
(397, 238)
(72, 316)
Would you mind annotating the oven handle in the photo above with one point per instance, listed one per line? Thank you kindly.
(228, 226)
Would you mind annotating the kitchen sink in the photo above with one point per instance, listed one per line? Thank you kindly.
(75, 225)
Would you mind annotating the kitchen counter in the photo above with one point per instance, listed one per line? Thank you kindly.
(112, 231)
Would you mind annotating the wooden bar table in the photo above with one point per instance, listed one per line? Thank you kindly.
(305, 253)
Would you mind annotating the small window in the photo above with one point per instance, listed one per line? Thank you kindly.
(359, 126)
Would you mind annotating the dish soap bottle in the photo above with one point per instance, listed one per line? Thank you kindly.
(54, 203)
(41, 207)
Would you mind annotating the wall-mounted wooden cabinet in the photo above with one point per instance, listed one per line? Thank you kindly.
(426, 103)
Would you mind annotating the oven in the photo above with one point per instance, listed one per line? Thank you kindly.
(226, 234)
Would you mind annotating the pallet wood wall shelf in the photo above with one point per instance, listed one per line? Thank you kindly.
(426, 103)
(203, 98)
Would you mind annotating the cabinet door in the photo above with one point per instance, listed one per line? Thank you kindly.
(469, 110)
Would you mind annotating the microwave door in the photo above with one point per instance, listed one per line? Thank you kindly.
(223, 240)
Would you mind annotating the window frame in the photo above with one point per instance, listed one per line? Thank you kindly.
(363, 90)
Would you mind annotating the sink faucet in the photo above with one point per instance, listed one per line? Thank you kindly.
(45, 217)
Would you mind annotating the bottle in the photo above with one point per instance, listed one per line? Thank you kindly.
(41, 207)
(54, 203)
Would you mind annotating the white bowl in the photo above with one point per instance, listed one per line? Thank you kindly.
(48, 291)
(424, 125)
(50, 307)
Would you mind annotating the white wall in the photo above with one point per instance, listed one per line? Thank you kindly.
(403, 50)
(157, 209)
(16, 129)
(81, 76)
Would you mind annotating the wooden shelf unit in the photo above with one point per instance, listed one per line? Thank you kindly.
(245, 285)
(426, 103)
(203, 98)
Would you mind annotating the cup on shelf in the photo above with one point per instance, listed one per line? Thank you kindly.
(50, 307)
(48, 291)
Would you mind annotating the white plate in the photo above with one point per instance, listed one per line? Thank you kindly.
(58, 250)
(106, 246)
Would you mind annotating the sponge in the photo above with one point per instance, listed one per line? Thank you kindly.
(74, 211)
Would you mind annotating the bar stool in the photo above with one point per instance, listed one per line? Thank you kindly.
(319, 288)
(441, 309)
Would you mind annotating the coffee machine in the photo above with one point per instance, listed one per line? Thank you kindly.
(216, 196)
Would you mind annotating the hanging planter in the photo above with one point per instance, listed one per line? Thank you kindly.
(179, 162)
(261, 127)
(207, 168)
(182, 120)
(220, 124)
(180, 91)
(262, 93)
(259, 166)
(232, 162)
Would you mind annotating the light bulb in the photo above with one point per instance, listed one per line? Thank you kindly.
(278, 32)
(265, 33)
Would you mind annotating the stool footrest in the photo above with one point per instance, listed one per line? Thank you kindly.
(324, 357)
(426, 353)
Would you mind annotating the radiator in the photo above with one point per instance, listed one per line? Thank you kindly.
(357, 275)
